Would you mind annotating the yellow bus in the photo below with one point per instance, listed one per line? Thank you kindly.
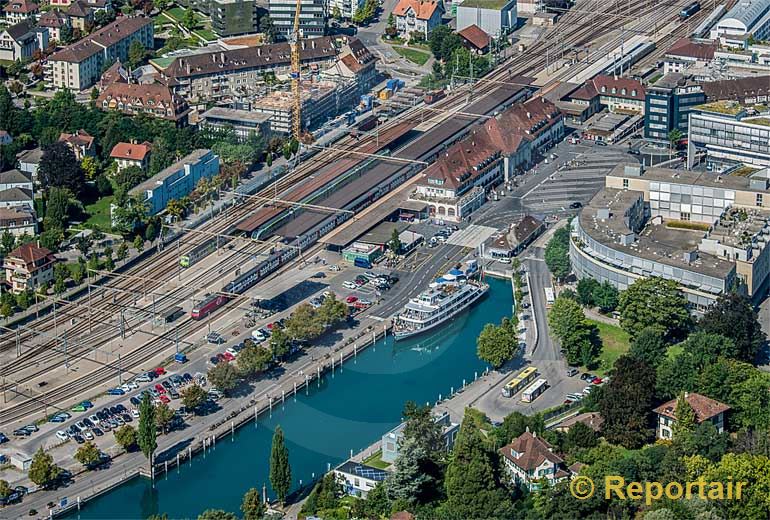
(516, 384)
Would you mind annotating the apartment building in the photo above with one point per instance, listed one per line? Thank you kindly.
(416, 16)
(312, 17)
(176, 181)
(79, 66)
(17, 11)
(152, 99)
(347, 8)
(228, 17)
(20, 41)
(215, 75)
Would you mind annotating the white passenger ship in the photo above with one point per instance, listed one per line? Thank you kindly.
(448, 296)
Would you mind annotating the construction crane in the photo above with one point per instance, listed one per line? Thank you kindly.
(295, 76)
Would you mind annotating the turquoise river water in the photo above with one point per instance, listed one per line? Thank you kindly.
(347, 411)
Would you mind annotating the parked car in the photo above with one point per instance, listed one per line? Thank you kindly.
(78, 438)
(572, 372)
(143, 378)
(576, 205)
(334, 267)
(159, 371)
(116, 391)
(586, 376)
(165, 399)
(3, 438)
(597, 380)
(78, 408)
(215, 338)
(348, 284)
(228, 356)
(97, 431)
(88, 435)
(21, 432)
(57, 419)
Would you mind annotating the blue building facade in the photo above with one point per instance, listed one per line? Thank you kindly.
(668, 104)
(177, 181)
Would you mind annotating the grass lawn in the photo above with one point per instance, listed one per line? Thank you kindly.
(99, 214)
(205, 34)
(376, 461)
(615, 342)
(177, 13)
(415, 56)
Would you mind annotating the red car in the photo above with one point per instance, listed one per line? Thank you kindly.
(160, 389)
(597, 380)
(159, 371)
(351, 299)
(164, 399)
(228, 356)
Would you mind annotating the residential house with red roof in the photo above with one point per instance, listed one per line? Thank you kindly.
(355, 62)
(153, 99)
(475, 39)
(416, 16)
(54, 20)
(27, 267)
(705, 408)
(530, 460)
(19, 10)
(131, 154)
(81, 143)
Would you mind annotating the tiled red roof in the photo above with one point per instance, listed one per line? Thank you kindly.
(423, 9)
(21, 6)
(31, 253)
(130, 151)
(532, 450)
(138, 98)
(474, 35)
(54, 18)
(79, 138)
(686, 48)
(626, 88)
(704, 407)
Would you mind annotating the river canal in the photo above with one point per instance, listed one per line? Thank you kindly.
(348, 411)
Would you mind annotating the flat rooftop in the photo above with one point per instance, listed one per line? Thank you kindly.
(738, 226)
(382, 233)
(731, 108)
(695, 178)
(485, 4)
(655, 242)
(233, 114)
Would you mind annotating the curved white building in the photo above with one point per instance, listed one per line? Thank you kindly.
(747, 17)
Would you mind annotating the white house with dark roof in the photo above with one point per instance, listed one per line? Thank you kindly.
(19, 41)
(19, 10)
(15, 179)
(13, 197)
(705, 408)
(529, 460)
(358, 479)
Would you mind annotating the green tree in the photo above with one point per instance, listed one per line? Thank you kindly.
(122, 253)
(193, 397)
(84, 242)
(557, 254)
(24, 299)
(224, 377)
(734, 316)
(5, 489)
(395, 242)
(90, 167)
(164, 417)
(253, 359)
(8, 241)
(586, 291)
(626, 402)
(331, 311)
(606, 297)
(43, 471)
(148, 432)
(421, 426)
(279, 343)
(252, 506)
(139, 243)
(516, 423)
(755, 471)
(109, 263)
(685, 417)
(59, 168)
(189, 20)
(580, 436)
(280, 470)
(57, 209)
(472, 486)
(60, 273)
(324, 497)
(408, 482)
(88, 455)
(578, 337)
(650, 302)
(649, 346)
(126, 437)
(137, 51)
(303, 324)
(495, 345)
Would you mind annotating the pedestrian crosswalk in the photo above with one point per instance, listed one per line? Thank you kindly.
(577, 181)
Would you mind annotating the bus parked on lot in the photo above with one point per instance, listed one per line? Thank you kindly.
(516, 384)
(549, 298)
(532, 393)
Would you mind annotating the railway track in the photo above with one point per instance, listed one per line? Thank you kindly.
(161, 268)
